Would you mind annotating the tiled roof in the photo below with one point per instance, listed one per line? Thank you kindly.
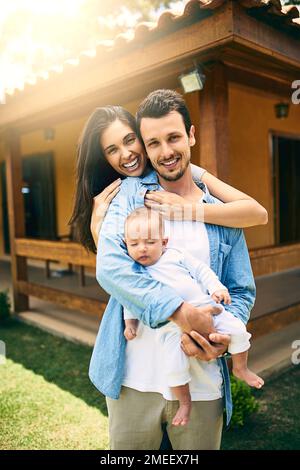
(272, 9)
(285, 17)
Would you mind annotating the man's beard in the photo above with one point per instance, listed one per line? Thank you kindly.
(175, 176)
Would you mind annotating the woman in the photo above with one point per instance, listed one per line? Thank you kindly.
(109, 150)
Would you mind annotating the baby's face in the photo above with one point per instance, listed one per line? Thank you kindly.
(144, 242)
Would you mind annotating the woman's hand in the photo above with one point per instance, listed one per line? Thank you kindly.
(101, 203)
(170, 205)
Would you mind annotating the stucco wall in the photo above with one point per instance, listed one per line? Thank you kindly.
(251, 115)
(252, 118)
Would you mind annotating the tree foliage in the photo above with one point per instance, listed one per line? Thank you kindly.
(38, 41)
(141, 6)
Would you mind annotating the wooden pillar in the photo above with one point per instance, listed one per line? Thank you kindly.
(16, 216)
(192, 101)
(214, 126)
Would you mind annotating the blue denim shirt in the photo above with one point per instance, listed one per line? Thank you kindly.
(152, 302)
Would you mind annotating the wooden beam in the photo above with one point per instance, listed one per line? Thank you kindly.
(273, 321)
(192, 101)
(275, 259)
(240, 57)
(16, 216)
(252, 79)
(263, 36)
(65, 252)
(214, 122)
(66, 299)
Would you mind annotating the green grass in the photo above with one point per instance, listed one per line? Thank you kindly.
(276, 426)
(48, 402)
(46, 398)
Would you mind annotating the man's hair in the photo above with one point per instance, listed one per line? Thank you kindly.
(146, 214)
(159, 103)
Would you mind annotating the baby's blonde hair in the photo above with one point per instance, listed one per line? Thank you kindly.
(144, 213)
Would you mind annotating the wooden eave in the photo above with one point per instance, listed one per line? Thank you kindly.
(246, 44)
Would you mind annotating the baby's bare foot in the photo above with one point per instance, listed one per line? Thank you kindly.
(129, 333)
(249, 377)
(183, 414)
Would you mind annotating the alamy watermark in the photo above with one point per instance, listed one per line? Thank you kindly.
(296, 93)
(2, 352)
(170, 212)
(296, 354)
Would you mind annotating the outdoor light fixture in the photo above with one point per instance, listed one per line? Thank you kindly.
(282, 110)
(192, 81)
(25, 188)
(49, 133)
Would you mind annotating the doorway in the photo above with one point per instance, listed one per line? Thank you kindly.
(38, 189)
(286, 177)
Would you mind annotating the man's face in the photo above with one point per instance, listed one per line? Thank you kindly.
(167, 144)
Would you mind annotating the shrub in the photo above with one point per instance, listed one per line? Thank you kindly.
(4, 306)
(244, 403)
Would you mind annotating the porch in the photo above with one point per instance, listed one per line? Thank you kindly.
(275, 319)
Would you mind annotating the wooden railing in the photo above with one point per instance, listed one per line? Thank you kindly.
(273, 259)
(270, 260)
(64, 252)
(264, 261)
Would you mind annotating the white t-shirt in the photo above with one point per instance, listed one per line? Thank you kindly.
(143, 355)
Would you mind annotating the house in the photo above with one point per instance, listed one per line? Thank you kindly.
(249, 51)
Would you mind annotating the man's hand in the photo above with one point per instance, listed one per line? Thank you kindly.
(199, 319)
(206, 351)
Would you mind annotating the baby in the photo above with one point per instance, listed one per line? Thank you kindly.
(193, 280)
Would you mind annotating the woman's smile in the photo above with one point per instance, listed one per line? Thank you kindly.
(133, 164)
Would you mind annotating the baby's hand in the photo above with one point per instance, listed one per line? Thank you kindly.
(131, 326)
(130, 333)
(221, 295)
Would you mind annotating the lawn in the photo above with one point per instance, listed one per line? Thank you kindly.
(48, 402)
(276, 426)
(46, 398)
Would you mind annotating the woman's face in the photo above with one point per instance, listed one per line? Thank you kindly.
(123, 150)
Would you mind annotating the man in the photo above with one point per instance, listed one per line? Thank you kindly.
(136, 411)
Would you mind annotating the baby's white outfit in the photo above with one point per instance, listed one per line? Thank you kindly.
(193, 280)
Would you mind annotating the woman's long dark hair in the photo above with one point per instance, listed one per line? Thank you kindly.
(93, 172)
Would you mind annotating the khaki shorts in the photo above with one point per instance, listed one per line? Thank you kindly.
(136, 418)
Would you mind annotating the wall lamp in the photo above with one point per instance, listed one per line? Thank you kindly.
(282, 110)
(192, 81)
(49, 133)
